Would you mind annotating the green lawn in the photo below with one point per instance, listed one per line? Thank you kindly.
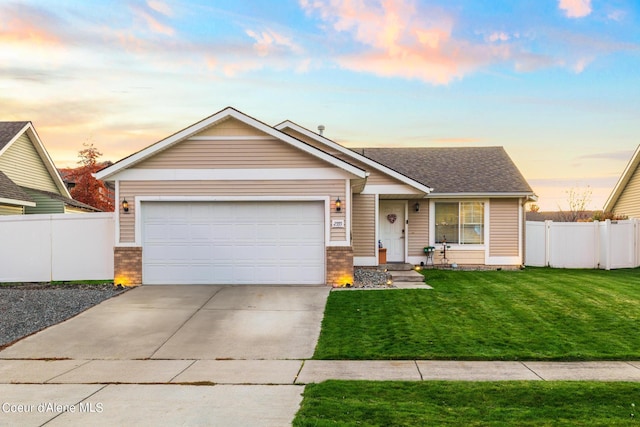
(534, 314)
(534, 403)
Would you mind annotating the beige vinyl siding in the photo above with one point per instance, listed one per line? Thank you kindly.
(231, 127)
(459, 257)
(44, 204)
(503, 227)
(364, 217)
(23, 165)
(10, 210)
(232, 154)
(131, 189)
(418, 227)
(629, 201)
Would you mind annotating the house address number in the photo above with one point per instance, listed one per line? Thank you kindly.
(337, 223)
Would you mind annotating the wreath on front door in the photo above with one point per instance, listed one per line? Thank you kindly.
(392, 218)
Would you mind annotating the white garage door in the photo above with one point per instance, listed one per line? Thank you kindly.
(233, 243)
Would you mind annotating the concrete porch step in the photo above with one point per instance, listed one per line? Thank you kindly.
(406, 276)
(397, 266)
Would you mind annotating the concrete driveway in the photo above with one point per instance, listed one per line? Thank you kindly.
(188, 322)
(168, 355)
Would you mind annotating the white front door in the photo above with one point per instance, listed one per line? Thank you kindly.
(392, 229)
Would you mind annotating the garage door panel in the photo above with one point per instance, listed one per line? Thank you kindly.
(200, 232)
(233, 242)
(199, 253)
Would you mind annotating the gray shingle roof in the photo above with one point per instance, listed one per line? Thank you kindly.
(10, 190)
(454, 170)
(8, 130)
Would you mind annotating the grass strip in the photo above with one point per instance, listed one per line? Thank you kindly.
(522, 403)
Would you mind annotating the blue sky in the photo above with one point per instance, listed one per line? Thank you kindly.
(556, 82)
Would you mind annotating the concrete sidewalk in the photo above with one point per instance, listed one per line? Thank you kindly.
(229, 392)
(300, 372)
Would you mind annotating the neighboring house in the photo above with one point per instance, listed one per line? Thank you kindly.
(231, 199)
(625, 197)
(29, 181)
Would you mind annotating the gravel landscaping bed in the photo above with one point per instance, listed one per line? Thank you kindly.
(370, 278)
(29, 308)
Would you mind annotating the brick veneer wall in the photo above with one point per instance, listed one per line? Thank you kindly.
(339, 265)
(127, 265)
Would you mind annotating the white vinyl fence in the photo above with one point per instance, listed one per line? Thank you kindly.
(60, 247)
(605, 245)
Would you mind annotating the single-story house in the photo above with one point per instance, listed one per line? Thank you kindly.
(625, 197)
(29, 181)
(231, 200)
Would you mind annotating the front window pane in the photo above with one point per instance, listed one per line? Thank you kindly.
(446, 222)
(472, 223)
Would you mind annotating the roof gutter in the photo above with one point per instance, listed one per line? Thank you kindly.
(530, 196)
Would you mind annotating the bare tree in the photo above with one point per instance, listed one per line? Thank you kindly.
(578, 200)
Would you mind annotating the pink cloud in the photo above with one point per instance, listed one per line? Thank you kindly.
(399, 39)
(26, 24)
(160, 7)
(268, 41)
(575, 8)
(151, 14)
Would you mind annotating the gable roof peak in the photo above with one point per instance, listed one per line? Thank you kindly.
(223, 114)
(8, 131)
(628, 171)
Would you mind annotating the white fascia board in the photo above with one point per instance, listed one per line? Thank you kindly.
(622, 181)
(482, 195)
(393, 189)
(334, 145)
(134, 174)
(226, 113)
(16, 202)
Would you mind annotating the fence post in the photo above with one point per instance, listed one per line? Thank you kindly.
(636, 236)
(547, 243)
(607, 244)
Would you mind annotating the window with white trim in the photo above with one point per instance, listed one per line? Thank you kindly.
(459, 223)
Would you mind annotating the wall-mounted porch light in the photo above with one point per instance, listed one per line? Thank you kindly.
(417, 206)
(338, 205)
(125, 205)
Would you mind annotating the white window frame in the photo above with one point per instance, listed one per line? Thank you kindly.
(458, 246)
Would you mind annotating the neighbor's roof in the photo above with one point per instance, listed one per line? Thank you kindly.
(12, 194)
(66, 200)
(8, 131)
(623, 181)
(449, 171)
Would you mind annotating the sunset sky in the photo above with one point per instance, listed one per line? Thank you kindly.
(556, 82)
